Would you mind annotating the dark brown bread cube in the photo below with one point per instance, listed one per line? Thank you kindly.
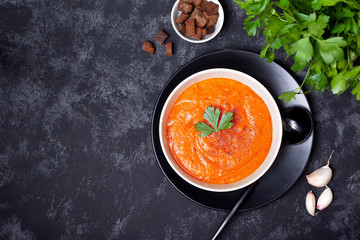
(189, 1)
(197, 2)
(190, 27)
(208, 16)
(168, 47)
(182, 28)
(210, 7)
(182, 18)
(211, 22)
(161, 36)
(212, 19)
(203, 32)
(210, 30)
(198, 34)
(199, 17)
(185, 7)
(202, 4)
(148, 47)
(200, 8)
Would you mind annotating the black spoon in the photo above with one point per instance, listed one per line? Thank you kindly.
(297, 127)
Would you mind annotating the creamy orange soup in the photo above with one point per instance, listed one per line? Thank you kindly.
(229, 155)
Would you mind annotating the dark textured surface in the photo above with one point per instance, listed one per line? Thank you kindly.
(76, 99)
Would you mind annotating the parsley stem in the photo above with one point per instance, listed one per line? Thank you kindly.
(348, 58)
(306, 76)
(314, 37)
(302, 84)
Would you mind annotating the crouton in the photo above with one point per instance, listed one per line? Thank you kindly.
(210, 7)
(185, 7)
(197, 3)
(148, 47)
(161, 36)
(189, 1)
(182, 18)
(203, 32)
(190, 27)
(198, 34)
(182, 28)
(210, 30)
(168, 47)
(199, 17)
(208, 16)
(211, 22)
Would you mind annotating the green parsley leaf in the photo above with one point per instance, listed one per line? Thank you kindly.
(264, 4)
(304, 18)
(284, 3)
(353, 73)
(225, 121)
(356, 91)
(317, 27)
(212, 116)
(251, 27)
(329, 2)
(317, 66)
(344, 13)
(303, 51)
(331, 49)
(318, 80)
(353, 83)
(287, 96)
(338, 84)
(339, 28)
(316, 4)
(204, 128)
(286, 28)
(354, 27)
(354, 4)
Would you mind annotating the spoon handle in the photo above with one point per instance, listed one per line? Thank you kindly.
(234, 210)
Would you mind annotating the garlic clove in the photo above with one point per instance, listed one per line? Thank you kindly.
(310, 203)
(322, 176)
(325, 199)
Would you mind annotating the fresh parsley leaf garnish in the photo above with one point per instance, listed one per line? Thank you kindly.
(322, 36)
(288, 96)
(212, 115)
(225, 121)
(204, 128)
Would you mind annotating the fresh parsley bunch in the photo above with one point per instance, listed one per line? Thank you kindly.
(320, 35)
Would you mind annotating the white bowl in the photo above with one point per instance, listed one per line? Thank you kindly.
(260, 90)
(175, 14)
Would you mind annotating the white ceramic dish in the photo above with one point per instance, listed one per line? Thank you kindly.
(175, 14)
(259, 89)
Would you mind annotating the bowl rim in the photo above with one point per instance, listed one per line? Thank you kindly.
(277, 130)
(206, 39)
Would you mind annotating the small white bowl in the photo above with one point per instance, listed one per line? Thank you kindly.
(175, 14)
(260, 90)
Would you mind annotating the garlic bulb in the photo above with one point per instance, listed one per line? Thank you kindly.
(310, 203)
(321, 176)
(325, 199)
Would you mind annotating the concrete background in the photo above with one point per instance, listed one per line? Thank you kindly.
(76, 100)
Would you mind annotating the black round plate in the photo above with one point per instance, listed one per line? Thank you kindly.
(289, 163)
